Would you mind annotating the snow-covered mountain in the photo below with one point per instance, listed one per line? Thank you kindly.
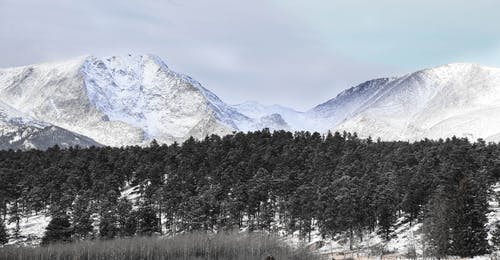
(132, 99)
(18, 131)
(273, 117)
(346, 104)
(121, 100)
(456, 99)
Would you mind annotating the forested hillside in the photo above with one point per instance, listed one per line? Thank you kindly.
(260, 180)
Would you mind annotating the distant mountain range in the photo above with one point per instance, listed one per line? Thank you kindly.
(133, 99)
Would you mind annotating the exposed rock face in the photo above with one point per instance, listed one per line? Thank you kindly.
(18, 131)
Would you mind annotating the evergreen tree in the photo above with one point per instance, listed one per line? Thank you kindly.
(58, 230)
(82, 222)
(338, 184)
(108, 221)
(126, 217)
(436, 227)
(495, 237)
(468, 236)
(386, 204)
(147, 221)
(4, 236)
(15, 217)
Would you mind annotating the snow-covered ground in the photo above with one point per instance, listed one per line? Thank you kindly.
(407, 238)
(32, 228)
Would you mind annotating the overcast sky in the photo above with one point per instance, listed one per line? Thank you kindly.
(295, 53)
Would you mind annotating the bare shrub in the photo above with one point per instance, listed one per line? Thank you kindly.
(188, 246)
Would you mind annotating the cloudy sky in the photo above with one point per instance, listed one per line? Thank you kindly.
(291, 52)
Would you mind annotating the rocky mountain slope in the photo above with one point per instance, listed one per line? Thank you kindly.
(18, 131)
(455, 99)
(122, 100)
(133, 99)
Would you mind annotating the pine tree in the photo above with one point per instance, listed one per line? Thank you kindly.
(58, 230)
(147, 220)
(127, 222)
(468, 236)
(495, 237)
(82, 222)
(337, 183)
(108, 221)
(436, 226)
(15, 217)
(4, 236)
(386, 204)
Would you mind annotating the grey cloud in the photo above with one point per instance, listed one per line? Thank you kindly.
(240, 50)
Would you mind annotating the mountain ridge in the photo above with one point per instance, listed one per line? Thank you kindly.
(133, 99)
(427, 101)
(19, 131)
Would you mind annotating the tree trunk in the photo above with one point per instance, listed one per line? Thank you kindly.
(351, 237)
(159, 219)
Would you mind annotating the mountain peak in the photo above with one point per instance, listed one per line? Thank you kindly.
(117, 100)
(132, 99)
(129, 59)
(452, 99)
(454, 69)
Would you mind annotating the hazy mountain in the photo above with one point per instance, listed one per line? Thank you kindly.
(273, 116)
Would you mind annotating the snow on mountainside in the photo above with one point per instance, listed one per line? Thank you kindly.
(132, 99)
(342, 107)
(455, 99)
(143, 92)
(18, 131)
(273, 117)
(121, 100)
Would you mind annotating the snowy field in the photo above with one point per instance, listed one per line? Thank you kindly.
(407, 240)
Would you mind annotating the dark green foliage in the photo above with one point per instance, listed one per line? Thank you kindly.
(456, 215)
(108, 221)
(468, 232)
(15, 217)
(436, 226)
(260, 180)
(4, 236)
(58, 230)
(148, 222)
(126, 217)
(82, 222)
(495, 237)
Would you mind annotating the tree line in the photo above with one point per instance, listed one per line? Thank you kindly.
(261, 181)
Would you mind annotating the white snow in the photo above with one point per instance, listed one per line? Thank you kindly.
(294, 119)
(119, 100)
(32, 228)
(407, 237)
(132, 99)
(455, 99)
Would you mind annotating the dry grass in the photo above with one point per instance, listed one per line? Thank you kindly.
(182, 247)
